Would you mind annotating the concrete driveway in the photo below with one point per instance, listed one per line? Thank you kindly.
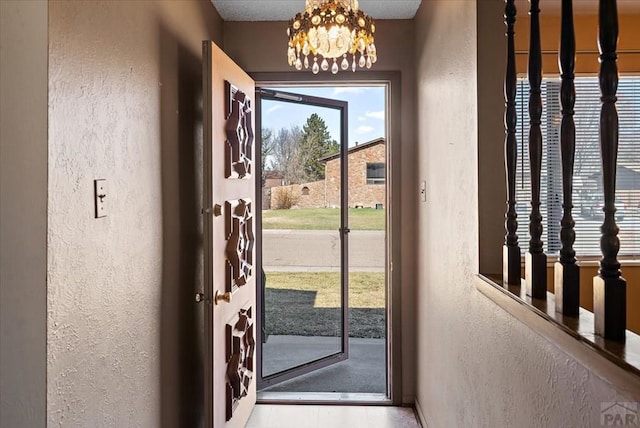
(319, 250)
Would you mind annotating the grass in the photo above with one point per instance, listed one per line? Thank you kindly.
(366, 289)
(308, 304)
(323, 219)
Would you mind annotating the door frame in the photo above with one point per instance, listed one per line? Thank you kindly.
(342, 107)
(391, 80)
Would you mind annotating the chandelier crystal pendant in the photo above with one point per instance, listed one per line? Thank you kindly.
(331, 34)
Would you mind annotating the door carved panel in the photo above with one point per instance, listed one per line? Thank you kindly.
(240, 241)
(240, 349)
(239, 131)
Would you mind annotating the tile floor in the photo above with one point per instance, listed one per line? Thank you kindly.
(309, 416)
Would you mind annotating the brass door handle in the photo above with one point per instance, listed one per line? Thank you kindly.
(224, 297)
(216, 210)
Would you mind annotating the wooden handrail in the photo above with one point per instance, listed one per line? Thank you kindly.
(609, 285)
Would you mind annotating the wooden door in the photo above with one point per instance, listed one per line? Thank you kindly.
(229, 195)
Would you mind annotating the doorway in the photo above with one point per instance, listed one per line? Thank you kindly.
(323, 246)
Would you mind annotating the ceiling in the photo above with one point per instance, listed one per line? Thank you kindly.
(283, 10)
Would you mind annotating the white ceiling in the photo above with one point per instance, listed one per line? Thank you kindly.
(283, 10)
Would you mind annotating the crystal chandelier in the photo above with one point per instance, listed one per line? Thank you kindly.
(331, 31)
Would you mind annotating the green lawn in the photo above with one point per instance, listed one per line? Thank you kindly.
(308, 304)
(323, 219)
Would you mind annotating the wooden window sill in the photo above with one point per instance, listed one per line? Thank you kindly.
(616, 363)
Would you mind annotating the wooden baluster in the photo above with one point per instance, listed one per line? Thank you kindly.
(511, 263)
(535, 258)
(567, 272)
(610, 289)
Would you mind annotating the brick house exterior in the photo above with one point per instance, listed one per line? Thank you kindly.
(366, 180)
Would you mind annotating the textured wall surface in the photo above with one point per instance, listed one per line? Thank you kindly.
(479, 366)
(257, 47)
(125, 106)
(23, 213)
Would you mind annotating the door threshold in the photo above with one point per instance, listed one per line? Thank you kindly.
(333, 398)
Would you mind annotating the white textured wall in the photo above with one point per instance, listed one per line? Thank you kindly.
(124, 93)
(23, 213)
(478, 366)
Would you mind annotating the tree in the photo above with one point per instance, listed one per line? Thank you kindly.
(285, 155)
(266, 149)
(316, 143)
(297, 152)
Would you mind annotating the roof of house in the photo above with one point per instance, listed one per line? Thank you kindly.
(626, 178)
(273, 174)
(355, 148)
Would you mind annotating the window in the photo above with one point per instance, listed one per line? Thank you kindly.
(375, 173)
(587, 181)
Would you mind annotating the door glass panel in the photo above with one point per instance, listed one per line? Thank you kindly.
(367, 262)
(301, 239)
(317, 361)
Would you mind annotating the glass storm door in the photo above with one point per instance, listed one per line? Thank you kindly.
(302, 248)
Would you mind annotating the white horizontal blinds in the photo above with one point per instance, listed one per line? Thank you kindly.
(552, 165)
(587, 180)
(588, 197)
(523, 179)
(628, 172)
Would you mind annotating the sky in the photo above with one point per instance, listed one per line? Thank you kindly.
(366, 111)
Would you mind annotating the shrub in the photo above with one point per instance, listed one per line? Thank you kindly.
(284, 198)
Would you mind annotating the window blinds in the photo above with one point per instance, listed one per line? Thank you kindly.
(375, 173)
(588, 197)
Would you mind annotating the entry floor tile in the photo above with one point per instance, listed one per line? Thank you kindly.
(313, 416)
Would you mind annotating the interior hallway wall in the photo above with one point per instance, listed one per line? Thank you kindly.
(478, 365)
(125, 106)
(23, 213)
(261, 47)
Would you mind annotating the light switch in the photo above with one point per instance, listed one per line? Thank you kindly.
(423, 191)
(100, 197)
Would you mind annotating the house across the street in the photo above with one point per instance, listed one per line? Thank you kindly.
(366, 181)
(270, 179)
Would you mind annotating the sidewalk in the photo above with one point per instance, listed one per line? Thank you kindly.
(363, 371)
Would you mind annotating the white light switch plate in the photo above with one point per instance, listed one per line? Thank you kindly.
(423, 191)
(100, 197)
